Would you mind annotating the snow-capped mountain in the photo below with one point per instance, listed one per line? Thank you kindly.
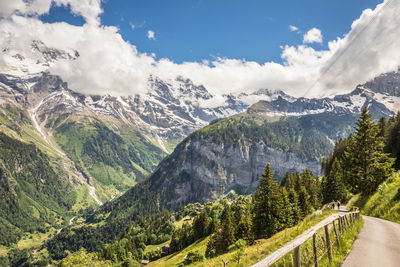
(171, 109)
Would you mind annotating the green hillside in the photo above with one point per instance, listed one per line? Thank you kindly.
(32, 192)
(114, 155)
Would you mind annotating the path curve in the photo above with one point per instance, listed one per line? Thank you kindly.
(378, 244)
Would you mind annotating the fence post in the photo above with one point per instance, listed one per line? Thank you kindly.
(314, 240)
(297, 257)
(347, 221)
(344, 223)
(328, 243)
(336, 234)
(340, 225)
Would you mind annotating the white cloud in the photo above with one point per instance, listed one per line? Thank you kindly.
(312, 36)
(132, 25)
(293, 28)
(151, 35)
(88, 9)
(108, 64)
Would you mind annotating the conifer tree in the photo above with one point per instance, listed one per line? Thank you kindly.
(333, 187)
(225, 235)
(268, 206)
(304, 202)
(200, 225)
(228, 228)
(393, 139)
(368, 165)
(287, 219)
(311, 184)
(295, 211)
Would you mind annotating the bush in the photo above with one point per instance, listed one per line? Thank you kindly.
(193, 256)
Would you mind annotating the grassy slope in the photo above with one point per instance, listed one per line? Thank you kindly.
(384, 203)
(114, 154)
(252, 253)
(15, 123)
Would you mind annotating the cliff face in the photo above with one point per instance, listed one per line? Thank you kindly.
(206, 167)
(231, 155)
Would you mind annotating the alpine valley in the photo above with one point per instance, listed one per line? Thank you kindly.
(63, 152)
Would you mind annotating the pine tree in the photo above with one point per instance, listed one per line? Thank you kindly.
(332, 186)
(228, 229)
(225, 235)
(368, 165)
(200, 225)
(268, 206)
(286, 209)
(392, 134)
(295, 211)
(312, 185)
(304, 202)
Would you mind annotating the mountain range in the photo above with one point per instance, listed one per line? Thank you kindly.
(177, 141)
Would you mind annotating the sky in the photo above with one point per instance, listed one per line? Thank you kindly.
(305, 48)
(197, 30)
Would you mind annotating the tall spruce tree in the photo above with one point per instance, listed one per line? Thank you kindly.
(200, 225)
(268, 206)
(368, 165)
(332, 186)
(392, 135)
(225, 235)
(304, 202)
(295, 212)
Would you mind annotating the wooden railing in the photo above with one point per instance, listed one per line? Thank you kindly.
(321, 235)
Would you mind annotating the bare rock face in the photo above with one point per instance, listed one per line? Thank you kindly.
(209, 166)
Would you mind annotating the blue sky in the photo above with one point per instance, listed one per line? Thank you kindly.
(228, 46)
(194, 30)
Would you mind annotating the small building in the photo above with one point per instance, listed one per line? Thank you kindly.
(145, 262)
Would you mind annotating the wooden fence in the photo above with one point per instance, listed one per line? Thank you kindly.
(322, 245)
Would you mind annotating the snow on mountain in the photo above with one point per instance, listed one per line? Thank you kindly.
(171, 109)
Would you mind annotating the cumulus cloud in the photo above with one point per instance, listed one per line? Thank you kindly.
(108, 64)
(151, 35)
(88, 9)
(312, 36)
(293, 28)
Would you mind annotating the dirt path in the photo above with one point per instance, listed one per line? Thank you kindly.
(378, 244)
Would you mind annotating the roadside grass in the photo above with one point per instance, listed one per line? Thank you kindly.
(253, 253)
(384, 203)
(346, 243)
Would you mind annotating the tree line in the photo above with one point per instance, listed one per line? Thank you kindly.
(362, 161)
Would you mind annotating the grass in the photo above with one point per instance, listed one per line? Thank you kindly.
(384, 203)
(83, 199)
(151, 248)
(35, 239)
(3, 250)
(338, 253)
(181, 222)
(252, 254)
